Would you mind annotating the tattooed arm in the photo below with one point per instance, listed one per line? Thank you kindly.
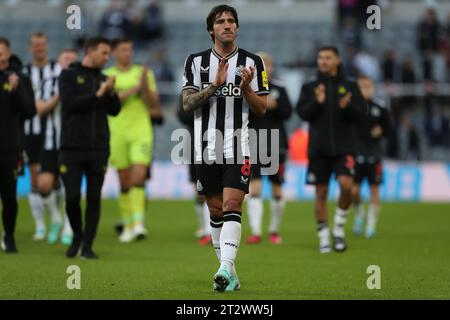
(193, 100)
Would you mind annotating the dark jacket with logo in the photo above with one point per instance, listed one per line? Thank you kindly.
(368, 147)
(331, 129)
(274, 119)
(15, 107)
(84, 123)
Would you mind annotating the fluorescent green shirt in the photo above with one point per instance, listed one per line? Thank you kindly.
(134, 113)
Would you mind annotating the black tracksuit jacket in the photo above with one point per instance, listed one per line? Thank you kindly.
(369, 147)
(274, 119)
(84, 123)
(331, 129)
(15, 107)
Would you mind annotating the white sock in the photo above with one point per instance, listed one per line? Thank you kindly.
(51, 203)
(255, 212)
(277, 207)
(37, 209)
(372, 216)
(61, 197)
(199, 212)
(230, 238)
(67, 229)
(216, 229)
(360, 210)
(206, 223)
(323, 233)
(340, 218)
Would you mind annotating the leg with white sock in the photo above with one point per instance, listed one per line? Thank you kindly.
(46, 181)
(255, 208)
(230, 237)
(360, 213)
(373, 212)
(340, 217)
(321, 215)
(202, 210)
(277, 205)
(37, 210)
(206, 236)
(255, 214)
(36, 204)
(206, 217)
(201, 218)
(66, 234)
(55, 217)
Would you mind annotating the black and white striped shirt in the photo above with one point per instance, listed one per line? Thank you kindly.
(45, 86)
(222, 124)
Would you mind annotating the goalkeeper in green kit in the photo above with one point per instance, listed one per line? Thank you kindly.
(132, 136)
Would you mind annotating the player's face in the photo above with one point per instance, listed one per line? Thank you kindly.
(39, 48)
(100, 55)
(224, 28)
(123, 53)
(269, 66)
(328, 61)
(367, 88)
(5, 54)
(66, 58)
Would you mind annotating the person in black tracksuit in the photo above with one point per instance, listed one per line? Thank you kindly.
(332, 104)
(371, 130)
(16, 104)
(87, 97)
(279, 109)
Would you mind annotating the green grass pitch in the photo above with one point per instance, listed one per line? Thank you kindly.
(411, 249)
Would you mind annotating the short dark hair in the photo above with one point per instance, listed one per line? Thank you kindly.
(329, 48)
(92, 43)
(5, 42)
(38, 34)
(219, 10)
(119, 41)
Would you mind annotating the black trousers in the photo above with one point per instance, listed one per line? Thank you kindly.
(73, 165)
(8, 192)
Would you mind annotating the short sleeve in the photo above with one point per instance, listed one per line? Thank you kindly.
(260, 82)
(189, 76)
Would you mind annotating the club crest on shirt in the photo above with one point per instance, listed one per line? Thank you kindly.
(80, 80)
(375, 112)
(199, 186)
(238, 71)
(342, 90)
